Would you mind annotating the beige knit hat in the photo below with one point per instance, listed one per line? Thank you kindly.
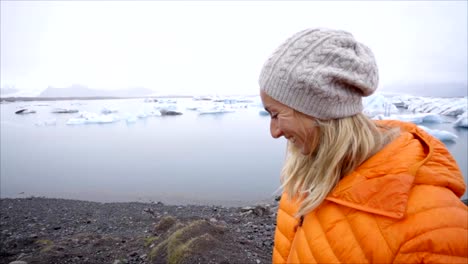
(323, 73)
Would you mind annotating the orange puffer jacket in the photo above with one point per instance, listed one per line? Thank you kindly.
(400, 206)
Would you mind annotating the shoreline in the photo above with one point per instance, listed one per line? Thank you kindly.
(170, 201)
(53, 230)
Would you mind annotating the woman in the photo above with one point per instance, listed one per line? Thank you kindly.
(355, 190)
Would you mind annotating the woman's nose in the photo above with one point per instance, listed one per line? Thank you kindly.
(274, 130)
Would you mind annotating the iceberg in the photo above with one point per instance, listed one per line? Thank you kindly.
(92, 118)
(442, 106)
(442, 135)
(462, 120)
(109, 110)
(215, 110)
(413, 118)
(378, 104)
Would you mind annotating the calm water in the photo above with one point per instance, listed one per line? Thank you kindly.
(227, 159)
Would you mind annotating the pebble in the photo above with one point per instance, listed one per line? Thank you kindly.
(18, 262)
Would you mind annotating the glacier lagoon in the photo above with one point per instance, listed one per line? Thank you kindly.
(227, 159)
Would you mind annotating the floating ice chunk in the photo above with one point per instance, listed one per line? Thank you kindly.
(414, 118)
(193, 108)
(76, 121)
(154, 113)
(432, 118)
(92, 118)
(462, 121)
(215, 110)
(25, 111)
(405, 118)
(440, 134)
(64, 111)
(49, 122)
(167, 107)
(109, 110)
(378, 104)
(142, 115)
(131, 119)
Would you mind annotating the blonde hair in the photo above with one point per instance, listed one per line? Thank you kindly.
(342, 145)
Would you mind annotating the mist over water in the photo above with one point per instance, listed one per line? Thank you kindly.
(227, 159)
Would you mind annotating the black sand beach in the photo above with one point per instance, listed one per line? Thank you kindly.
(45, 230)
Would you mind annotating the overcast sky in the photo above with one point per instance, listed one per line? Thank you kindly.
(216, 46)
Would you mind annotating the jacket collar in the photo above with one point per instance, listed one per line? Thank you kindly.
(381, 185)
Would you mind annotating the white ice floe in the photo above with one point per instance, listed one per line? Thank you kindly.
(49, 122)
(214, 110)
(92, 118)
(413, 118)
(148, 111)
(378, 104)
(462, 120)
(166, 107)
(441, 106)
(442, 135)
(109, 110)
(131, 119)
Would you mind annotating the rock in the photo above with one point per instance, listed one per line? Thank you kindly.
(213, 220)
(22, 255)
(246, 208)
(149, 211)
(261, 210)
(165, 112)
(18, 262)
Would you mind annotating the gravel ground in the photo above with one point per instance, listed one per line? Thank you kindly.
(43, 230)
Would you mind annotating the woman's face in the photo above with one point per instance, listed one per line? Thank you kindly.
(296, 127)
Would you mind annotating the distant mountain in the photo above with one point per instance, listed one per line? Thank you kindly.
(8, 90)
(429, 89)
(83, 91)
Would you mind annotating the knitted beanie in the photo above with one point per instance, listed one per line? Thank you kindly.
(322, 73)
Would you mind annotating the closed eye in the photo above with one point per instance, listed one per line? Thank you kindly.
(273, 116)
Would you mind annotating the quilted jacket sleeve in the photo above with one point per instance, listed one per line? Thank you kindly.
(445, 245)
(441, 235)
